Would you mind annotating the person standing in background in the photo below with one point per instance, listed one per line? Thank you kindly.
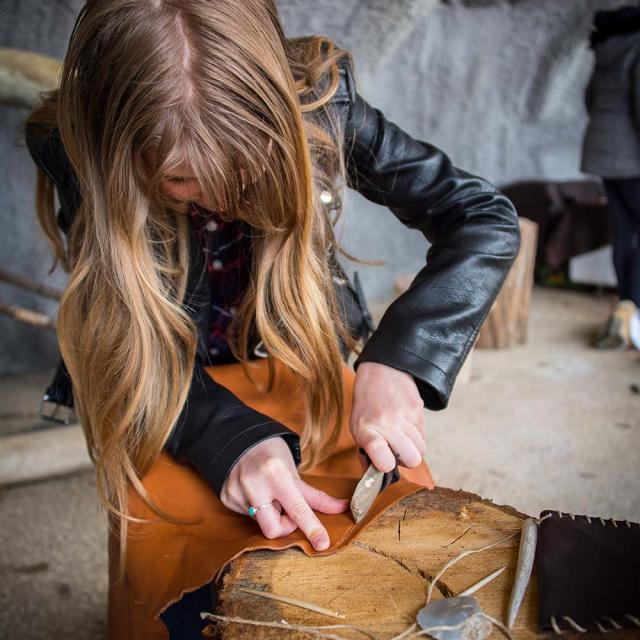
(611, 150)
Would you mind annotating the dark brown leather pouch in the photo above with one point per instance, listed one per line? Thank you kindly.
(589, 573)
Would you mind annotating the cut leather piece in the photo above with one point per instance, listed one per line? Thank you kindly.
(164, 561)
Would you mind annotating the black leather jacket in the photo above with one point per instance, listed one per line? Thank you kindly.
(427, 331)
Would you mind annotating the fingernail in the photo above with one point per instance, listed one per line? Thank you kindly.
(322, 543)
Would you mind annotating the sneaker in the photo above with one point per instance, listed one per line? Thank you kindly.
(634, 329)
(616, 334)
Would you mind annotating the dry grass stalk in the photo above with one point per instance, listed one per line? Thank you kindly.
(295, 602)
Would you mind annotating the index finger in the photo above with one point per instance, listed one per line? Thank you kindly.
(273, 523)
(297, 508)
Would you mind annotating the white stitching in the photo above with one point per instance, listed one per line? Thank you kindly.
(574, 624)
(554, 625)
(603, 521)
(601, 628)
(614, 624)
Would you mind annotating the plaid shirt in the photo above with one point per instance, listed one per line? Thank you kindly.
(227, 248)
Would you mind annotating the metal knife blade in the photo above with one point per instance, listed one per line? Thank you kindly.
(370, 485)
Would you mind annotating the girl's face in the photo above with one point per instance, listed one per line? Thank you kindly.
(184, 187)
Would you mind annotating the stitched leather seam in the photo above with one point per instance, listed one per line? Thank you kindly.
(433, 364)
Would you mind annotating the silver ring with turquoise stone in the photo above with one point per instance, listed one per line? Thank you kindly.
(252, 510)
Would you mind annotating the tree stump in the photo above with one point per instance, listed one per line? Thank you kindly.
(506, 324)
(379, 581)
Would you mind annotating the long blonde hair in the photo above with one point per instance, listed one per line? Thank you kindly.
(145, 86)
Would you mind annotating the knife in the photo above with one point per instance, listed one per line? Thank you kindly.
(369, 486)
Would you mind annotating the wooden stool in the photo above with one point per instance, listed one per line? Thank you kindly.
(506, 324)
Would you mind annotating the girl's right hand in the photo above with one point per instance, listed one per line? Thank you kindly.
(266, 473)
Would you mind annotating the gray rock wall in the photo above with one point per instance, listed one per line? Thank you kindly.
(497, 85)
(43, 27)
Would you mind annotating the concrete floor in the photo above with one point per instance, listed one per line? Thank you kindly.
(553, 424)
(550, 425)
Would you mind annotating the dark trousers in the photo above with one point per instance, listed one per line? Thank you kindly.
(182, 618)
(624, 204)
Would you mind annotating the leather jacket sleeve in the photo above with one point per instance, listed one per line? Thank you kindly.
(214, 427)
(474, 234)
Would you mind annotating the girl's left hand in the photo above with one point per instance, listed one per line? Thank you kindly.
(387, 416)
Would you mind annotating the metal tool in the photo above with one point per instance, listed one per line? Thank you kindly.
(370, 485)
(526, 560)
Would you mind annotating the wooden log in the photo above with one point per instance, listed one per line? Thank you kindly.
(24, 74)
(506, 324)
(33, 318)
(380, 580)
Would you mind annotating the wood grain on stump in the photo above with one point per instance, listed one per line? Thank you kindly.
(379, 581)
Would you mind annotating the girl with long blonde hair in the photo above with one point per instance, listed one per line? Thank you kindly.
(198, 156)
